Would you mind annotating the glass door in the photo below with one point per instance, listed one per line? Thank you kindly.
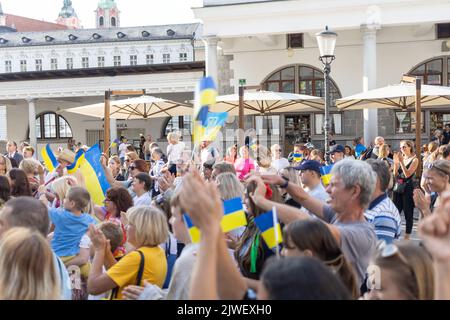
(297, 129)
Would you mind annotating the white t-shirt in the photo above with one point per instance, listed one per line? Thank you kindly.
(209, 153)
(144, 200)
(280, 164)
(122, 150)
(174, 152)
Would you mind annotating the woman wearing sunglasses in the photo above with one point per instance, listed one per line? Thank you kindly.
(405, 166)
(402, 271)
(436, 181)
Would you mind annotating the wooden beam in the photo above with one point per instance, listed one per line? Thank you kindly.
(127, 92)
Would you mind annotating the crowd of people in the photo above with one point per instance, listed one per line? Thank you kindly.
(342, 236)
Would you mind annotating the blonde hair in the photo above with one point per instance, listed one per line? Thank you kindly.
(383, 152)
(412, 270)
(432, 146)
(229, 186)
(7, 162)
(61, 186)
(28, 268)
(173, 137)
(28, 165)
(150, 225)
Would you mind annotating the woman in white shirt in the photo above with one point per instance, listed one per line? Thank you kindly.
(174, 148)
(278, 162)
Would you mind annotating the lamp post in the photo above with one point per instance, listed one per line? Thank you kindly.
(326, 41)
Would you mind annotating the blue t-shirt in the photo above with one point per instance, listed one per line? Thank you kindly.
(359, 149)
(68, 231)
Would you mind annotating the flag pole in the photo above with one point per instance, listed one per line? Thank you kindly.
(277, 237)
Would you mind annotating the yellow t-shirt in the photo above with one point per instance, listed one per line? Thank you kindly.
(124, 272)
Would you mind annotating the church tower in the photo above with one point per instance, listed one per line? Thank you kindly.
(68, 17)
(108, 15)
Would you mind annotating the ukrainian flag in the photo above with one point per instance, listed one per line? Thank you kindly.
(205, 96)
(114, 143)
(265, 223)
(297, 157)
(194, 232)
(94, 175)
(326, 174)
(215, 122)
(76, 164)
(234, 215)
(49, 158)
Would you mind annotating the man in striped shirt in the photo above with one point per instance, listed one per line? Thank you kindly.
(382, 212)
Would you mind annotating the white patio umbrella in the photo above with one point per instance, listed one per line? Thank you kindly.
(267, 102)
(399, 96)
(143, 107)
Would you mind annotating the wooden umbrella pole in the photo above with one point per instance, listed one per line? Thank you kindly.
(107, 117)
(418, 125)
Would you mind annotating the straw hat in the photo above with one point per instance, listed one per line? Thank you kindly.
(66, 155)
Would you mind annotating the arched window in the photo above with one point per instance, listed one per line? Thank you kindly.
(101, 21)
(435, 71)
(113, 21)
(302, 79)
(49, 125)
(181, 124)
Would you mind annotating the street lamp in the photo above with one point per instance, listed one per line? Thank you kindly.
(326, 41)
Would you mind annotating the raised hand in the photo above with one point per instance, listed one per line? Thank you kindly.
(435, 231)
(97, 237)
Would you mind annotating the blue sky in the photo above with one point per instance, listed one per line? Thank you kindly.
(133, 12)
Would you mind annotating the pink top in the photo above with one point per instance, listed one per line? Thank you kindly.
(243, 167)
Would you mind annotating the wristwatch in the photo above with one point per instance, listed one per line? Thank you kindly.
(285, 184)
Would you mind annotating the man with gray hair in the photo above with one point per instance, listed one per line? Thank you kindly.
(350, 190)
(382, 212)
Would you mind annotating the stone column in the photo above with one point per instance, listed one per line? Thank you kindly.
(32, 122)
(369, 35)
(211, 57)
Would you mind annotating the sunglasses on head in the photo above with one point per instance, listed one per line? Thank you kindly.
(432, 166)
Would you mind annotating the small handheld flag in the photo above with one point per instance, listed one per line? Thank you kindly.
(326, 174)
(115, 143)
(234, 215)
(194, 232)
(49, 158)
(270, 229)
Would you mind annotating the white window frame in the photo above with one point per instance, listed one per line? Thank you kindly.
(85, 62)
(69, 63)
(133, 60)
(23, 65)
(101, 61)
(117, 61)
(8, 66)
(54, 64)
(183, 56)
(166, 57)
(38, 64)
(150, 58)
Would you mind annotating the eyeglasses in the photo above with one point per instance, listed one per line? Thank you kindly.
(131, 167)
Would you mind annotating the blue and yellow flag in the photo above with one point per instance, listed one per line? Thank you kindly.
(270, 228)
(297, 157)
(49, 158)
(215, 122)
(94, 175)
(194, 232)
(115, 143)
(205, 96)
(73, 167)
(325, 171)
(234, 215)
